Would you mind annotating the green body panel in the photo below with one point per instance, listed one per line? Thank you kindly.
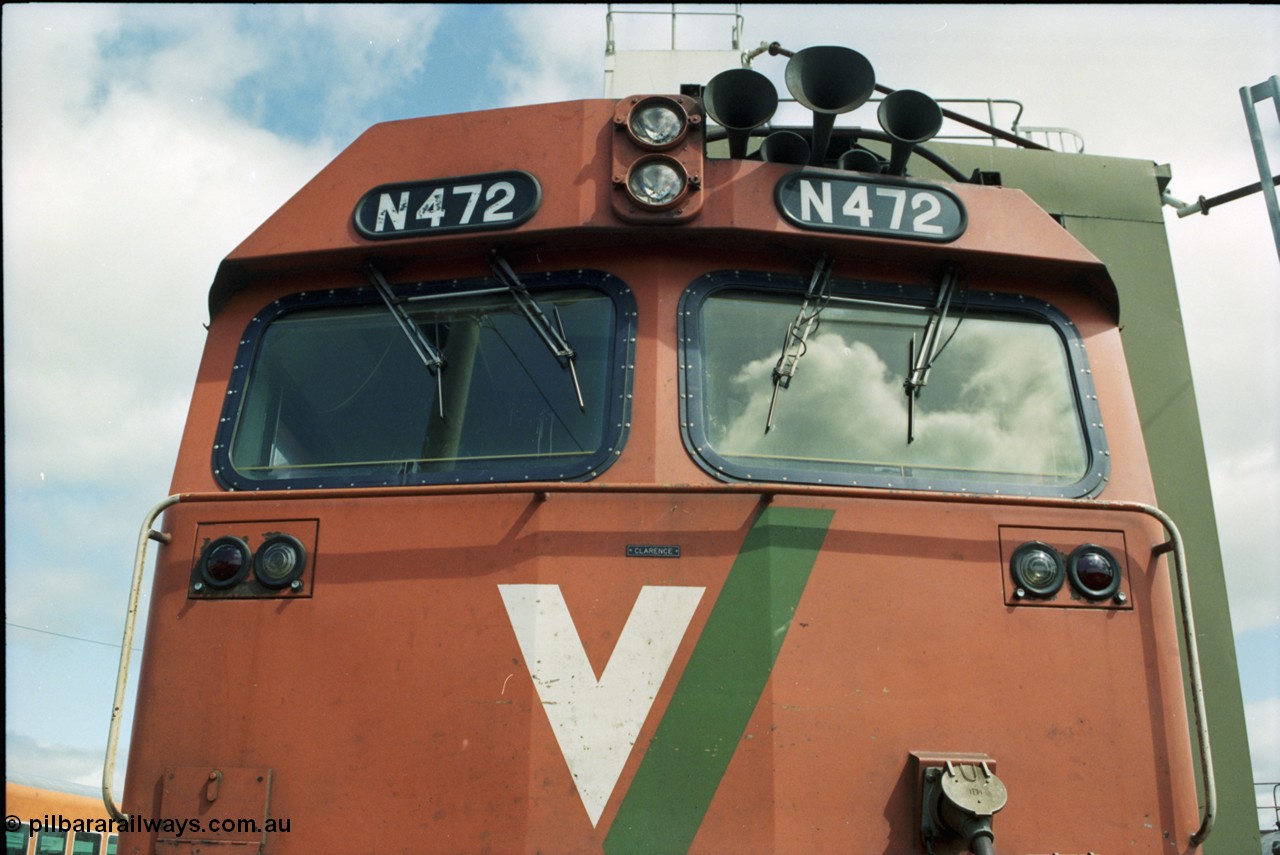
(1112, 206)
(721, 685)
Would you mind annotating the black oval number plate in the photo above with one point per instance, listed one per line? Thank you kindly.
(897, 209)
(494, 200)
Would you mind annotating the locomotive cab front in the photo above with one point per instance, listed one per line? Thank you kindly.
(636, 498)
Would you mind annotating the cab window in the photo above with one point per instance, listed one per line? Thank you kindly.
(1001, 409)
(51, 843)
(86, 844)
(15, 840)
(333, 390)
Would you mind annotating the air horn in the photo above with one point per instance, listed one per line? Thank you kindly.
(785, 147)
(909, 118)
(859, 160)
(828, 80)
(740, 100)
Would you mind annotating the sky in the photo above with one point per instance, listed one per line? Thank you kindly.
(141, 144)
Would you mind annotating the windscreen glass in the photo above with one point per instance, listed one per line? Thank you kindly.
(999, 407)
(340, 394)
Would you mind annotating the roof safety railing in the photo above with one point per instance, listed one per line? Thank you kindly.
(673, 13)
(1058, 139)
(1055, 139)
(1268, 814)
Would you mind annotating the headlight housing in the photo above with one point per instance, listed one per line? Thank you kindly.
(657, 123)
(1037, 569)
(279, 561)
(657, 159)
(657, 182)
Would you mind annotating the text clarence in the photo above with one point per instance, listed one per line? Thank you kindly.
(652, 551)
(495, 200)
(897, 209)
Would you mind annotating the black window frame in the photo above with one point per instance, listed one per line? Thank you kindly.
(619, 382)
(697, 444)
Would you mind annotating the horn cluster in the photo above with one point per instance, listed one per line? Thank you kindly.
(828, 81)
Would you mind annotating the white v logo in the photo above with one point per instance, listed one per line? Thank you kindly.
(595, 721)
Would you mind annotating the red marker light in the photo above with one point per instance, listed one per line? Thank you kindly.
(224, 562)
(1094, 571)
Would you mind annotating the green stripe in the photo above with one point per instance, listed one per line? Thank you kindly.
(721, 686)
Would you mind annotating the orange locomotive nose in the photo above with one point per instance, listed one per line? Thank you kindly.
(640, 498)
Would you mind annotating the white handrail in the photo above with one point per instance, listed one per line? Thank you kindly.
(126, 649)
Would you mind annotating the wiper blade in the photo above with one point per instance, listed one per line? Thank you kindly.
(431, 357)
(920, 362)
(795, 343)
(552, 336)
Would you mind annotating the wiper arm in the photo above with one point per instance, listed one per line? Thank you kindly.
(431, 357)
(552, 336)
(921, 362)
(796, 341)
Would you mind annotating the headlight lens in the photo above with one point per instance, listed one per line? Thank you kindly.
(1094, 571)
(657, 123)
(224, 562)
(657, 182)
(279, 561)
(1037, 568)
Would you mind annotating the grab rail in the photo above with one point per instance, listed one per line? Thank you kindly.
(126, 651)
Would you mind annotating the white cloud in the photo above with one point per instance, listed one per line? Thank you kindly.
(559, 57)
(1263, 720)
(59, 764)
(123, 219)
(992, 405)
(1247, 505)
(341, 58)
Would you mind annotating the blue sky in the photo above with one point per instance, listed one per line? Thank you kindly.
(143, 143)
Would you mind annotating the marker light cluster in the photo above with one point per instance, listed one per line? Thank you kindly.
(225, 564)
(657, 159)
(1039, 571)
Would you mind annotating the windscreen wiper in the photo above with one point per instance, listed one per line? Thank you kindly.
(431, 357)
(795, 343)
(920, 362)
(552, 336)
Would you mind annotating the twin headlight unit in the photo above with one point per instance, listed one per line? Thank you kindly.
(1039, 572)
(228, 567)
(657, 159)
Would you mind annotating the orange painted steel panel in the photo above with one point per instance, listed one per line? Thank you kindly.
(398, 690)
(240, 799)
(411, 700)
(314, 229)
(903, 643)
